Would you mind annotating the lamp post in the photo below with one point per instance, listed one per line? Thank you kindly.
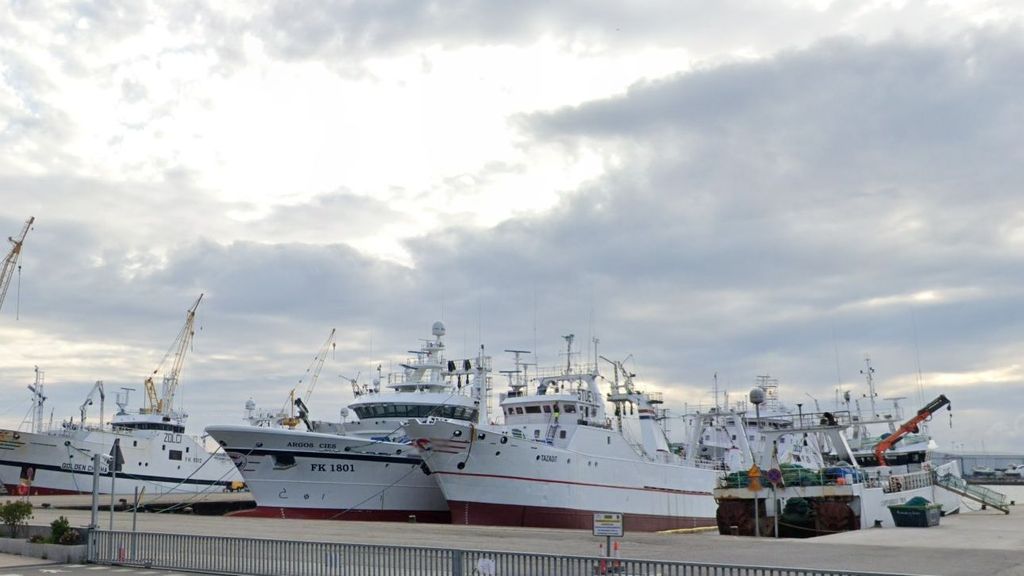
(757, 398)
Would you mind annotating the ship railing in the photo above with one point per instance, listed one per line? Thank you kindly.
(817, 419)
(909, 481)
(709, 464)
(560, 371)
(797, 476)
(266, 557)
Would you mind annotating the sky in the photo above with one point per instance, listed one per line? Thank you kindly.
(716, 191)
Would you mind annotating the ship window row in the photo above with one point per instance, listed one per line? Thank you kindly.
(547, 409)
(152, 426)
(368, 411)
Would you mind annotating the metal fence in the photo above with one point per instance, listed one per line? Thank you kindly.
(261, 557)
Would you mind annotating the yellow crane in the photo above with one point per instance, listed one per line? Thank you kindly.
(162, 404)
(288, 417)
(11, 261)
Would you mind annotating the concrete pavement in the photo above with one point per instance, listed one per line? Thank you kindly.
(973, 543)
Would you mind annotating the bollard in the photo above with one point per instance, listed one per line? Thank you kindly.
(734, 530)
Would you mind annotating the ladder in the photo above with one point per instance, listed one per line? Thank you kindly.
(550, 438)
(987, 496)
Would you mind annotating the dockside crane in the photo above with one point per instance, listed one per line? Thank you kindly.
(162, 403)
(291, 420)
(11, 261)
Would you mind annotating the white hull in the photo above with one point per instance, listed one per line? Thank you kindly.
(498, 479)
(61, 462)
(299, 474)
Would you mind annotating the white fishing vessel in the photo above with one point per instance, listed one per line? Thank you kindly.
(732, 432)
(840, 495)
(157, 454)
(559, 458)
(365, 469)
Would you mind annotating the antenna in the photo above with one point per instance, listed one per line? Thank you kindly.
(568, 352)
(868, 373)
(917, 357)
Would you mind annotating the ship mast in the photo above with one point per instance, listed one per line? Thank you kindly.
(868, 373)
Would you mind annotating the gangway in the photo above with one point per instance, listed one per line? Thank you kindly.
(987, 496)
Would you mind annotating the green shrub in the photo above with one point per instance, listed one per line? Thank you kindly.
(15, 514)
(37, 539)
(58, 528)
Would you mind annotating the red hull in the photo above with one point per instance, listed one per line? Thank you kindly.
(429, 516)
(545, 517)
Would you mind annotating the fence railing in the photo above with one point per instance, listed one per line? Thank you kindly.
(263, 557)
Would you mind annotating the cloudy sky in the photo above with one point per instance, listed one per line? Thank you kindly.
(734, 188)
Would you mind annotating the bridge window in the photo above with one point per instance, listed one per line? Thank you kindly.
(570, 408)
(547, 409)
(533, 409)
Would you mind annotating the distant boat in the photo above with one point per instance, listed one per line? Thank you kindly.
(1016, 471)
(983, 471)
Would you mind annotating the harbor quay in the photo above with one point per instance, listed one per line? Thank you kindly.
(975, 542)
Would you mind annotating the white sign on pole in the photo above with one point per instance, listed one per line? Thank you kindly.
(608, 524)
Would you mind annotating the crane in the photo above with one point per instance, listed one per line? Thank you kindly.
(910, 427)
(97, 387)
(11, 261)
(162, 404)
(314, 367)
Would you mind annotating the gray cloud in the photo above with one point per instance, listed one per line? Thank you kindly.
(761, 218)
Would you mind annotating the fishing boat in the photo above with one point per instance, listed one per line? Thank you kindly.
(730, 433)
(363, 469)
(559, 457)
(149, 445)
(771, 498)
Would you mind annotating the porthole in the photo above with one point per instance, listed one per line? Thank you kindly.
(457, 433)
(460, 465)
(498, 453)
(481, 436)
(504, 439)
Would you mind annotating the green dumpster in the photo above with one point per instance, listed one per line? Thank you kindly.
(916, 513)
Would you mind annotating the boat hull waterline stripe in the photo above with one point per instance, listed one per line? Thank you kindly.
(139, 477)
(326, 455)
(549, 481)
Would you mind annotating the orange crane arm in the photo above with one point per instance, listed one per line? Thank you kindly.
(909, 427)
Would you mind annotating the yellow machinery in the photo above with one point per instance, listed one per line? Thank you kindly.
(11, 261)
(161, 404)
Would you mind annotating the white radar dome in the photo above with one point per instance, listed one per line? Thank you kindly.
(438, 329)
